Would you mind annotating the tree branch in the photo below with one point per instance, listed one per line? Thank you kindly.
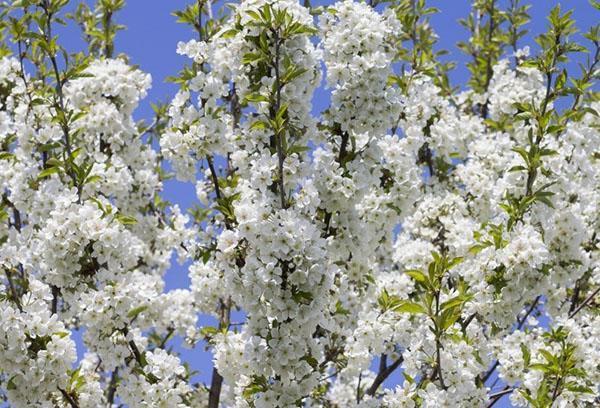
(384, 372)
(585, 302)
(494, 398)
(72, 402)
(520, 324)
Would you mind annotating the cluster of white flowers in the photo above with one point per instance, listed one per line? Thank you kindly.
(35, 348)
(78, 240)
(408, 231)
(525, 361)
(161, 383)
(84, 247)
(358, 45)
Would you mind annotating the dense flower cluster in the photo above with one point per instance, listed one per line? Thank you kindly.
(409, 246)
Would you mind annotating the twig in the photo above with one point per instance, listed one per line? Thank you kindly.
(494, 398)
(585, 302)
(520, 324)
(384, 372)
(72, 402)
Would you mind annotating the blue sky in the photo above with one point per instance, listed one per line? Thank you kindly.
(150, 41)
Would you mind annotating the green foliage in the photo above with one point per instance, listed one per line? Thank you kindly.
(225, 206)
(99, 31)
(135, 312)
(442, 314)
(488, 39)
(431, 286)
(198, 16)
(542, 119)
(560, 370)
(396, 304)
(416, 46)
(258, 384)
(301, 297)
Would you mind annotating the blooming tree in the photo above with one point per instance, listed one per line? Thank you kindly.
(447, 239)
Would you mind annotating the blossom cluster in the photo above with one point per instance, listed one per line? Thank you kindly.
(411, 245)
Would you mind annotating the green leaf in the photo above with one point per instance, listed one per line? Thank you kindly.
(48, 146)
(251, 57)
(475, 249)
(255, 97)
(409, 307)
(452, 303)
(229, 33)
(302, 297)
(255, 16)
(293, 74)
(209, 331)
(125, 219)
(517, 168)
(454, 262)
(54, 162)
(259, 125)
(417, 275)
(526, 355)
(6, 156)
(10, 385)
(133, 313)
(539, 367)
(92, 179)
(448, 318)
(297, 149)
(579, 388)
(48, 172)
(258, 384)
(339, 309)
(311, 361)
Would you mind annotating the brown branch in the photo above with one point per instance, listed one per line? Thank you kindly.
(13, 290)
(520, 323)
(136, 353)
(217, 379)
(55, 295)
(494, 398)
(72, 402)
(585, 302)
(112, 387)
(384, 372)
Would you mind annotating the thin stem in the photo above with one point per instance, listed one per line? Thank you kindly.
(438, 344)
(520, 323)
(47, 33)
(112, 387)
(585, 302)
(489, 70)
(24, 76)
(72, 402)
(555, 391)
(108, 46)
(494, 398)
(358, 395)
(343, 147)
(13, 290)
(163, 342)
(279, 133)
(575, 297)
(588, 74)
(136, 353)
